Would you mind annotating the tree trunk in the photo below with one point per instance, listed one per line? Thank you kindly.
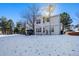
(33, 26)
(63, 29)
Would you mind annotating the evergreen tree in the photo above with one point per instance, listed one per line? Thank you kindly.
(65, 20)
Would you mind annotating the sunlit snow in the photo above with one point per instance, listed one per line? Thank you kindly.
(39, 45)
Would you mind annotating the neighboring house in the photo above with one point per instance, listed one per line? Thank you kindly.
(72, 27)
(0, 31)
(77, 28)
(48, 26)
(0, 27)
(29, 30)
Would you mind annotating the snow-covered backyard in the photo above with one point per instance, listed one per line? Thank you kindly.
(40, 45)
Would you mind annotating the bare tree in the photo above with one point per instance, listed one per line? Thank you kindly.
(30, 15)
(49, 9)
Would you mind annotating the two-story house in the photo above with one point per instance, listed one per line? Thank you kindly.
(47, 26)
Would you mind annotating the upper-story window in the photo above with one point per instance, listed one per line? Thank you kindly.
(45, 19)
(38, 21)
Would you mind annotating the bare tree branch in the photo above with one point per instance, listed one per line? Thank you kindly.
(31, 15)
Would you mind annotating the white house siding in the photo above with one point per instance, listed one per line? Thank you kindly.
(37, 26)
(54, 23)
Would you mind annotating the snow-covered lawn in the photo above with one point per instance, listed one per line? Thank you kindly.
(8, 35)
(45, 45)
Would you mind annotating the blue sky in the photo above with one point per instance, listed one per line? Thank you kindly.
(14, 10)
(72, 9)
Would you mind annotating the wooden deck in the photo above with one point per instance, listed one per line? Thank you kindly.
(73, 33)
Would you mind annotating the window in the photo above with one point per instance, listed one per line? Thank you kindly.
(52, 30)
(38, 21)
(47, 19)
(46, 31)
(38, 29)
(43, 19)
(43, 30)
